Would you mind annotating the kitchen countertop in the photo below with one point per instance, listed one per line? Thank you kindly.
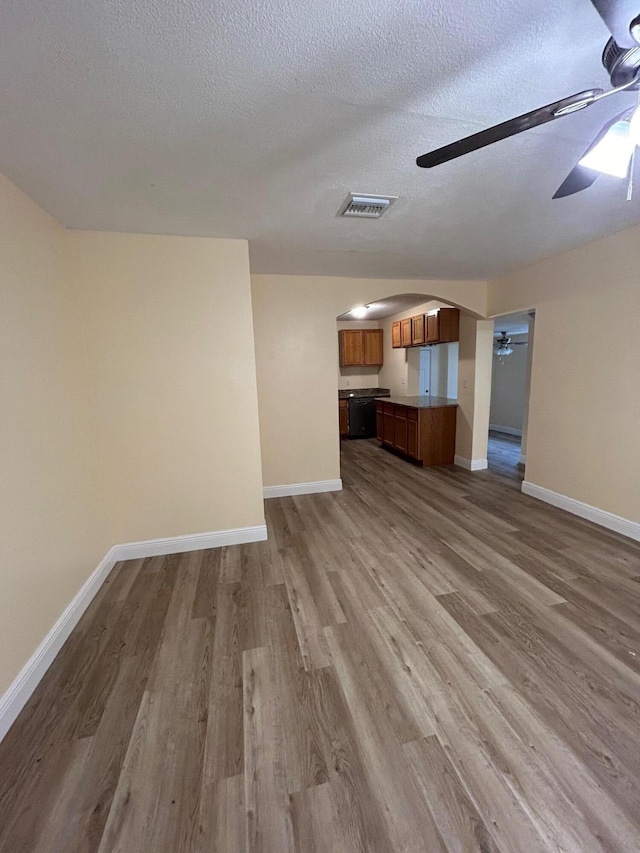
(422, 402)
(346, 393)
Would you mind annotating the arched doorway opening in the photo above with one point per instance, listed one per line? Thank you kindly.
(402, 346)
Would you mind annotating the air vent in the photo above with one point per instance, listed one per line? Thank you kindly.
(366, 206)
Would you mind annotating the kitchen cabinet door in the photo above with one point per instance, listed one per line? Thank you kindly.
(405, 332)
(443, 326)
(373, 347)
(343, 411)
(379, 422)
(433, 328)
(449, 325)
(388, 423)
(396, 334)
(412, 438)
(400, 429)
(351, 347)
(417, 330)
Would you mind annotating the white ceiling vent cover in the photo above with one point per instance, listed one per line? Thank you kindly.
(365, 206)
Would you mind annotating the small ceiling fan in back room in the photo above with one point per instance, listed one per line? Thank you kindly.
(613, 150)
(503, 344)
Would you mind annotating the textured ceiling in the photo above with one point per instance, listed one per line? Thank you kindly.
(254, 119)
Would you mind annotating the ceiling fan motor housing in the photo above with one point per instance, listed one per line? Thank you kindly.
(622, 64)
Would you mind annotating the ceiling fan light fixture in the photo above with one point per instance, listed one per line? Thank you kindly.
(612, 154)
(503, 344)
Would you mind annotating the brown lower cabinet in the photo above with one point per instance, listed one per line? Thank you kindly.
(427, 436)
(379, 422)
(343, 412)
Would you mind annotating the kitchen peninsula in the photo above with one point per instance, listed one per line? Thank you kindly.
(423, 429)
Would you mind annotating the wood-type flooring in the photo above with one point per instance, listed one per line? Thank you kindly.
(427, 661)
(503, 454)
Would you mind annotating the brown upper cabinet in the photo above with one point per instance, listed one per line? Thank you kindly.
(433, 328)
(417, 330)
(441, 327)
(360, 347)
(444, 326)
(373, 347)
(405, 332)
(351, 347)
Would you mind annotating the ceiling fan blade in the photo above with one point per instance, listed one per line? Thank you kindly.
(509, 128)
(580, 177)
(618, 16)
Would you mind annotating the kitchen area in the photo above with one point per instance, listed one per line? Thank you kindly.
(398, 378)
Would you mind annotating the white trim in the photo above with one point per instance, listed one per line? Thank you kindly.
(522, 459)
(192, 542)
(18, 693)
(505, 429)
(29, 676)
(302, 488)
(470, 464)
(591, 513)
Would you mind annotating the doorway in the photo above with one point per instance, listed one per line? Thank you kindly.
(424, 383)
(510, 384)
(438, 371)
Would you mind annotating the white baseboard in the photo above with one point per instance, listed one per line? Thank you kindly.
(13, 701)
(507, 430)
(470, 464)
(591, 513)
(192, 542)
(15, 698)
(302, 488)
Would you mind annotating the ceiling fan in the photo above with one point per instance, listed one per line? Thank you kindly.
(612, 150)
(504, 344)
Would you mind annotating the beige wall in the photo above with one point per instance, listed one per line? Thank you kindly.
(169, 338)
(51, 537)
(358, 377)
(527, 388)
(128, 404)
(584, 409)
(297, 362)
(508, 384)
(474, 388)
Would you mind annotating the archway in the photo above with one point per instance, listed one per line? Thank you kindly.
(297, 365)
(418, 370)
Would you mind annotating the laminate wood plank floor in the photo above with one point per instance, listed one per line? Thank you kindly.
(503, 454)
(427, 661)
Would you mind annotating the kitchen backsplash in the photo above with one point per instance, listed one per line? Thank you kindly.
(358, 377)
